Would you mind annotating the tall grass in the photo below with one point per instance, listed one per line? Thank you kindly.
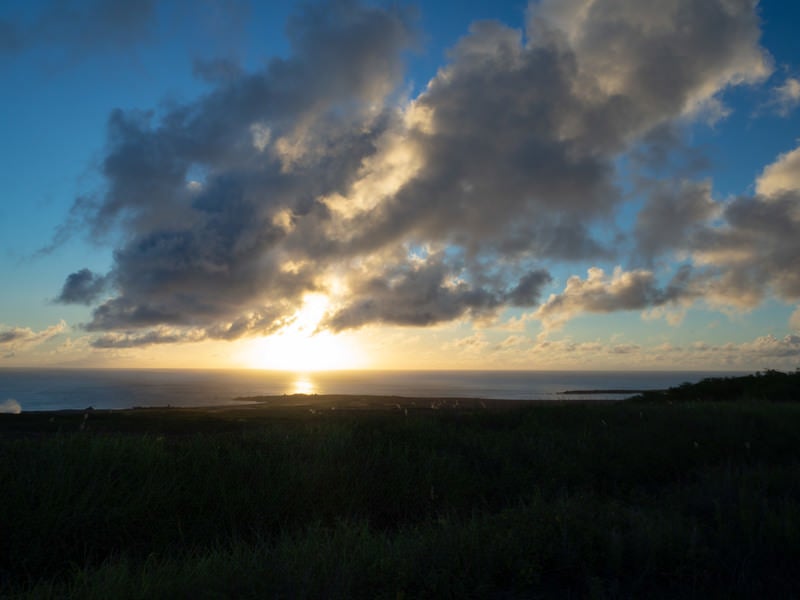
(604, 500)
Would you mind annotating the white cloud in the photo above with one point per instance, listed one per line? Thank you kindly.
(512, 324)
(794, 320)
(10, 406)
(474, 344)
(769, 352)
(783, 175)
(786, 97)
(673, 315)
(16, 339)
(599, 293)
(261, 135)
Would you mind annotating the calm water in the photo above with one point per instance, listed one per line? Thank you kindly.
(52, 389)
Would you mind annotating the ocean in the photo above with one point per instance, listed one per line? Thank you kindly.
(59, 389)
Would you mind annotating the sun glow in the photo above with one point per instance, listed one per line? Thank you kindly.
(298, 348)
(303, 385)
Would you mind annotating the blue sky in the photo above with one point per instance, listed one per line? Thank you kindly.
(587, 183)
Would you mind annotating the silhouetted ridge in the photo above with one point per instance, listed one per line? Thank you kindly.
(764, 386)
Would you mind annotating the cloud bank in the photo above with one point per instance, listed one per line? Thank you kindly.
(317, 174)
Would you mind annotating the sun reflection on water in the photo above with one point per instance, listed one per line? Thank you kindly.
(303, 385)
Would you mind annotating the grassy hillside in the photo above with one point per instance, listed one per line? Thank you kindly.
(593, 499)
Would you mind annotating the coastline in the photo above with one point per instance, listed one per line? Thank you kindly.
(42, 390)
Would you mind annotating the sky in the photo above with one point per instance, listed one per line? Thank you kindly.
(560, 184)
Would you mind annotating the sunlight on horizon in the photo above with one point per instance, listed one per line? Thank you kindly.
(303, 385)
(298, 348)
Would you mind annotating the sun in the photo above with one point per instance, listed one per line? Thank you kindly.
(298, 348)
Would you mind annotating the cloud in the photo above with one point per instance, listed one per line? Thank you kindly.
(785, 97)
(769, 346)
(10, 406)
(12, 335)
(14, 339)
(783, 175)
(472, 345)
(672, 314)
(672, 214)
(666, 151)
(739, 251)
(794, 320)
(513, 343)
(518, 138)
(753, 250)
(513, 324)
(652, 61)
(82, 287)
(524, 352)
(160, 336)
(599, 293)
(529, 288)
(316, 175)
(754, 253)
(418, 292)
(763, 352)
(212, 256)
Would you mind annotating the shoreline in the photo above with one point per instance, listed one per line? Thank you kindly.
(336, 402)
(367, 401)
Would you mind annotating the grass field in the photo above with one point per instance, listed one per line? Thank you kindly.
(606, 500)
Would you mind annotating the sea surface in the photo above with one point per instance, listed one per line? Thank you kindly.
(57, 389)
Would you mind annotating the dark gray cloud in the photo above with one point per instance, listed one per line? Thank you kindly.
(409, 294)
(518, 137)
(666, 152)
(211, 253)
(754, 251)
(748, 252)
(673, 213)
(82, 287)
(226, 210)
(528, 290)
(493, 158)
(426, 291)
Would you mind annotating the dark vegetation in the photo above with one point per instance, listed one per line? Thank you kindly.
(630, 499)
(765, 386)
